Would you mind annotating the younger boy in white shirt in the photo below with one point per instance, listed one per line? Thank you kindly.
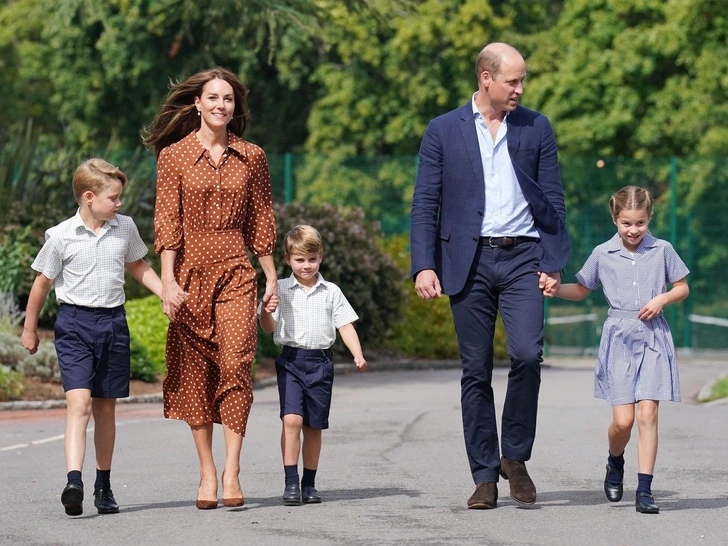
(304, 324)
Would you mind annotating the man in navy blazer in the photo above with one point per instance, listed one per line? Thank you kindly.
(488, 229)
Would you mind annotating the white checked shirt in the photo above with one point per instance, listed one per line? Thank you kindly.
(309, 319)
(88, 269)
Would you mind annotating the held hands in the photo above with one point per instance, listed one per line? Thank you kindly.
(549, 283)
(173, 297)
(361, 364)
(272, 303)
(270, 298)
(427, 285)
(652, 308)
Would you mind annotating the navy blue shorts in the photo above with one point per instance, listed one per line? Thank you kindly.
(93, 350)
(305, 379)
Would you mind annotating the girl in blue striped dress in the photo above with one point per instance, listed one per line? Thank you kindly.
(636, 365)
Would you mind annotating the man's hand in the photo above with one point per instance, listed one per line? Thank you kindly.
(427, 285)
(549, 283)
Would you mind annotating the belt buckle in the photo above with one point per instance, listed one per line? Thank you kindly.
(490, 244)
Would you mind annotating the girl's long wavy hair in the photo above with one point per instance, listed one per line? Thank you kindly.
(178, 116)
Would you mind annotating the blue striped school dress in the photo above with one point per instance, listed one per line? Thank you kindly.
(636, 359)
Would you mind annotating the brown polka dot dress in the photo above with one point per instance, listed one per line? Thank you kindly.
(209, 214)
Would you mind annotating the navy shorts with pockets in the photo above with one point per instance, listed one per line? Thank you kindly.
(93, 350)
(305, 381)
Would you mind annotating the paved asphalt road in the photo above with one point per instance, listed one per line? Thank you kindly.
(393, 471)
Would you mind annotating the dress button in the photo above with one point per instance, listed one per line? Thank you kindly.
(475, 239)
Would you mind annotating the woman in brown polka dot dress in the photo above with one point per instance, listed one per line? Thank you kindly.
(213, 200)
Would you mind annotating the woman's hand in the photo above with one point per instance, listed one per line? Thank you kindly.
(270, 298)
(173, 297)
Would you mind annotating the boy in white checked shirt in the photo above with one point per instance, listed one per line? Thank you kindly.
(85, 257)
(304, 324)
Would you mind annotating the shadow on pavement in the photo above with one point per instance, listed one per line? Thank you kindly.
(328, 495)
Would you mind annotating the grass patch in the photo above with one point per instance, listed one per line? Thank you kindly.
(719, 390)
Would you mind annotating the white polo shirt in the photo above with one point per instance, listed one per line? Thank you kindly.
(308, 319)
(88, 268)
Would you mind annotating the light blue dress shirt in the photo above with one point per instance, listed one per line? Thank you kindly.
(506, 213)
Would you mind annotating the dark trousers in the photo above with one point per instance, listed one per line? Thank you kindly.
(505, 280)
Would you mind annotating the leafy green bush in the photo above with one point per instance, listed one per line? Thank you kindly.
(21, 237)
(148, 329)
(353, 260)
(426, 328)
(142, 367)
(12, 384)
(43, 364)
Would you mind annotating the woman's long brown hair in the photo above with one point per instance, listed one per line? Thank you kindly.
(178, 116)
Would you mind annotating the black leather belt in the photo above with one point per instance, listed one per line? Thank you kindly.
(504, 242)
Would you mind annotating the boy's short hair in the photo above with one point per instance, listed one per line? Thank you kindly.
(303, 239)
(95, 175)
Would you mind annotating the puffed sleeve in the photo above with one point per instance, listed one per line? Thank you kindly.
(675, 268)
(168, 205)
(589, 274)
(259, 230)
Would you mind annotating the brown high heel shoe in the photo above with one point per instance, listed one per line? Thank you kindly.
(205, 504)
(231, 502)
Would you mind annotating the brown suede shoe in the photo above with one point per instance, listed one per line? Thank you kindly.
(522, 488)
(485, 496)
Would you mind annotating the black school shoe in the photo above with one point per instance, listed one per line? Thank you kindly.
(105, 502)
(309, 495)
(614, 491)
(644, 503)
(292, 495)
(72, 499)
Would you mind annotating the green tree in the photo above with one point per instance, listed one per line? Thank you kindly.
(634, 78)
(387, 75)
(99, 68)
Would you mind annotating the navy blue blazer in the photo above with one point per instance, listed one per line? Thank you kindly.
(449, 195)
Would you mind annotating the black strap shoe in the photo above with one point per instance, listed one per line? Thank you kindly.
(614, 491)
(72, 499)
(645, 503)
(292, 495)
(309, 495)
(105, 502)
